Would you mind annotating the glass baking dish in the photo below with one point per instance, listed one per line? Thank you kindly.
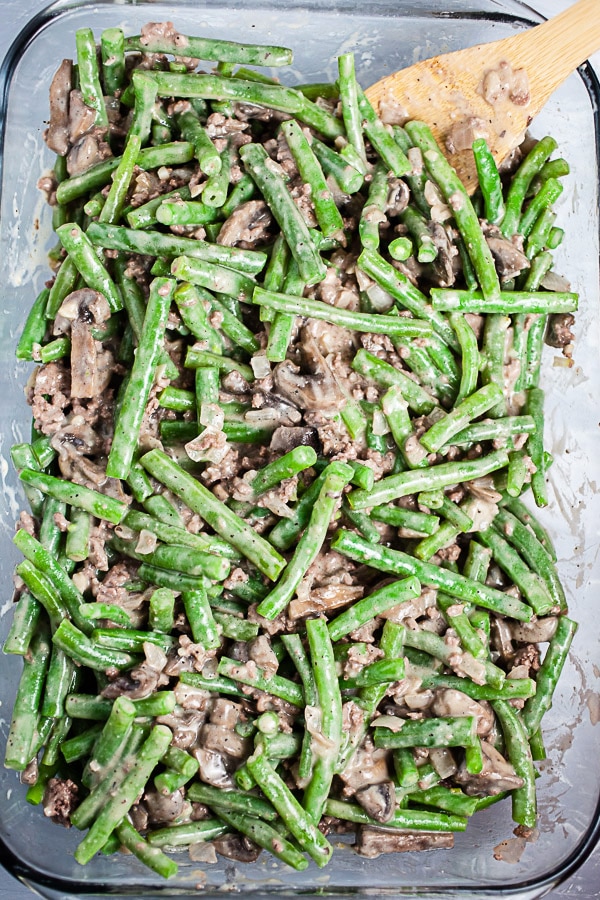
(384, 36)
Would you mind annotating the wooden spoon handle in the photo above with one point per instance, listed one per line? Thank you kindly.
(551, 51)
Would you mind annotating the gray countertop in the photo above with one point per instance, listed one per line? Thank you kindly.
(585, 883)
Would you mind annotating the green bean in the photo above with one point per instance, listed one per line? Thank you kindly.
(296, 819)
(112, 47)
(115, 200)
(369, 698)
(59, 682)
(328, 216)
(285, 211)
(336, 477)
(416, 224)
(374, 605)
(187, 833)
(89, 77)
(411, 819)
(511, 689)
(288, 465)
(98, 176)
(43, 591)
(255, 677)
(235, 627)
(151, 856)
(118, 805)
(347, 177)
(186, 560)
(432, 478)
(418, 522)
(550, 191)
(380, 138)
(531, 585)
(470, 408)
(448, 731)
(82, 254)
(520, 511)
(202, 622)
(231, 801)
(329, 704)
(507, 303)
(534, 406)
(524, 805)
(211, 49)
(214, 512)
(265, 836)
(489, 181)
(548, 675)
(131, 412)
(78, 535)
(130, 640)
(83, 651)
(405, 293)
(61, 585)
(80, 746)
(521, 181)
(384, 671)
(197, 255)
(27, 703)
(110, 611)
(465, 216)
(435, 646)
(457, 619)
(205, 151)
(497, 430)
(286, 531)
(446, 799)
(348, 89)
(401, 248)
(34, 328)
(533, 552)
(108, 748)
(26, 614)
(373, 212)
(397, 563)
(386, 375)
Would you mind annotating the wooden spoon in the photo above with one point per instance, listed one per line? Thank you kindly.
(447, 91)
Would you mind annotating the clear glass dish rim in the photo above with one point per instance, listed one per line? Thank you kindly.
(65, 887)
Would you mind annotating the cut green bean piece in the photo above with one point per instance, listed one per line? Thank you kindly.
(336, 477)
(131, 412)
(398, 563)
(84, 257)
(296, 819)
(214, 512)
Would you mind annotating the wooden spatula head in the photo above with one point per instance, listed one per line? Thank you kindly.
(491, 90)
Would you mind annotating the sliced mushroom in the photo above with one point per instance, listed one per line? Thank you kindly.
(247, 226)
(367, 767)
(496, 776)
(450, 702)
(91, 366)
(378, 800)
(57, 135)
(163, 808)
(288, 437)
(81, 117)
(372, 842)
(559, 332)
(221, 740)
(397, 198)
(508, 255)
(235, 846)
(305, 391)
